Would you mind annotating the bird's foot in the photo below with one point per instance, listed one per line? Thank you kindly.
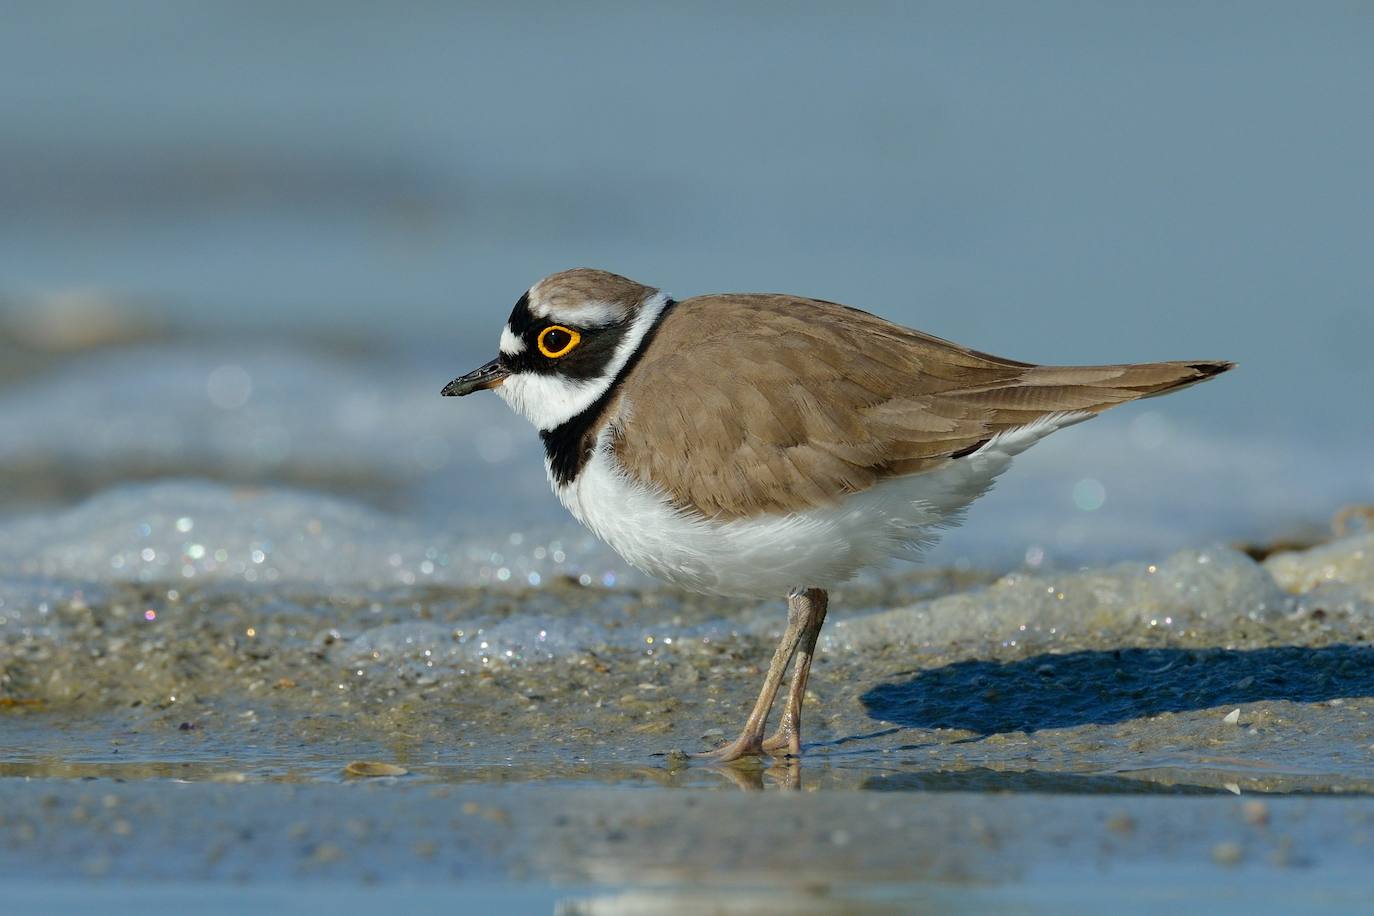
(785, 742)
(745, 745)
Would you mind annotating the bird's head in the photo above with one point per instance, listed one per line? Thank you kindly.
(566, 341)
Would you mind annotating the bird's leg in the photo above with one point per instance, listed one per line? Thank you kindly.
(788, 735)
(750, 740)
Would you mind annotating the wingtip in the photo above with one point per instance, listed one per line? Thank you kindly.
(1212, 367)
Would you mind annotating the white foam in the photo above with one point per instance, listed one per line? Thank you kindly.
(227, 541)
(270, 413)
(1194, 589)
(1349, 562)
(29, 603)
(416, 648)
(196, 531)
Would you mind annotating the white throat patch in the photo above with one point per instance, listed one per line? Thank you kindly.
(548, 401)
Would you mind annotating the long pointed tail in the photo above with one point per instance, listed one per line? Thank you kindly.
(1117, 384)
(1091, 389)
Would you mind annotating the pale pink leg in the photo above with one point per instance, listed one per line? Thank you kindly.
(750, 741)
(788, 736)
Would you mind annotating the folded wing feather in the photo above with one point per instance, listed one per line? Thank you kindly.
(752, 404)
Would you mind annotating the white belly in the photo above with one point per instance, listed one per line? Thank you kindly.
(769, 555)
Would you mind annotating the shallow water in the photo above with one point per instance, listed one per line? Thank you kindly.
(599, 851)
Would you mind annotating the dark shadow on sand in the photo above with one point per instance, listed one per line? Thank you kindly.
(1100, 688)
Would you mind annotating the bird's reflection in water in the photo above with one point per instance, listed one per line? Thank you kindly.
(748, 773)
(752, 775)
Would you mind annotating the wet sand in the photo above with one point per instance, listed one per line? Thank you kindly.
(1207, 715)
(1201, 670)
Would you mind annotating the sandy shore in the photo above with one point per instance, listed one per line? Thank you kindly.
(1199, 729)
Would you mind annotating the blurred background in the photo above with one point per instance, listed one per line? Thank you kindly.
(249, 242)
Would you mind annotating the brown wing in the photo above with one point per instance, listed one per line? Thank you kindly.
(777, 404)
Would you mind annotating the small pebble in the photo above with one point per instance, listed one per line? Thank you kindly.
(372, 768)
(232, 778)
(1227, 854)
(1121, 823)
(1283, 855)
(326, 853)
(98, 866)
(1256, 813)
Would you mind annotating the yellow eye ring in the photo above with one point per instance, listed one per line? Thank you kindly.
(558, 333)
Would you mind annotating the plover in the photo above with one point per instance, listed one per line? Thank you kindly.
(765, 445)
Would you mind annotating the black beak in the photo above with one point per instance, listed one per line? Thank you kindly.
(486, 376)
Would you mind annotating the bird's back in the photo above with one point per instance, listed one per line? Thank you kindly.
(775, 404)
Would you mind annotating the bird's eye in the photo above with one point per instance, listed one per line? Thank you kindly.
(556, 341)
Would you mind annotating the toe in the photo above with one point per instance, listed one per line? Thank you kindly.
(735, 750)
